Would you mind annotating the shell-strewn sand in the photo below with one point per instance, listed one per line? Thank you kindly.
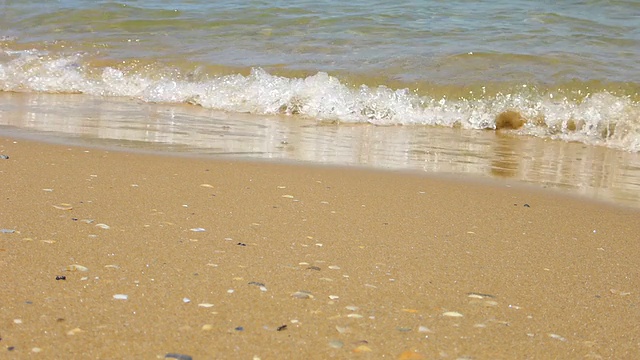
(234, 260)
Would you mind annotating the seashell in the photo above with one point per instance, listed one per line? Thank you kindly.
(302, 295)
(63, 206)
(76, 267)
(452, 314)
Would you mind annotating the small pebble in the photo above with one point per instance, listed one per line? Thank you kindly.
(76, 267)
(121, 297)
(412, 355)
(302, 295)
(239, 328)
(361, 349)
(61, 277)
(342, 329)
(424, 329)
(74, 331)
(452, 314)
(557, 337)
(178, 356)
(63, 206)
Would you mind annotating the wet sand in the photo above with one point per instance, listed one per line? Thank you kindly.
(223, 259)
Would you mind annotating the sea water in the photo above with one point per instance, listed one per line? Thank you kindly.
(430, 85)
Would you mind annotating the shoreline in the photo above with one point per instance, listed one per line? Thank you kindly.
(592, 171)
(221, 258)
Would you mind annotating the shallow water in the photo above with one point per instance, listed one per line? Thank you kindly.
(595, 172)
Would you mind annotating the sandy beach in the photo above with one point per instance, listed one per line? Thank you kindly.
(116, 255)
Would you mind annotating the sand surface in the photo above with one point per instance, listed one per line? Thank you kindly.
(233, 260)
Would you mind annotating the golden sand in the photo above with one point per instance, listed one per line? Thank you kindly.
(120, 255)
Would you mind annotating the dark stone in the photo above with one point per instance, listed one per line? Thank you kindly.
(282, 327)
(178, 356)
(61, 277)
(239, 328)
(4, 157)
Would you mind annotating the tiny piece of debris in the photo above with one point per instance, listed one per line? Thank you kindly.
(526, 205)
(7, 231)
(281, 328)
(178, 356)
(4, 157)
(424, 329)
(452, 314)
(557, 337)
(479, 295)
(241, 244)
(61, 277)
(76, 267)
(63, 206)
(302, 295)
(198, 229)
(121, 297)
(361, 349)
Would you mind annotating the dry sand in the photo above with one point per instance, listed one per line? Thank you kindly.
(382, 265)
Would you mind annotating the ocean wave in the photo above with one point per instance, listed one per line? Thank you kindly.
(599, 118)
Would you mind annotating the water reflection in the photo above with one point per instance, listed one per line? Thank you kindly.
(592, 171)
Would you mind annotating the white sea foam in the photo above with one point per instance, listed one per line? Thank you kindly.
(597, 119)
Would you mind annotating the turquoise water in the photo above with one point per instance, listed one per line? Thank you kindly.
(565, 71)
